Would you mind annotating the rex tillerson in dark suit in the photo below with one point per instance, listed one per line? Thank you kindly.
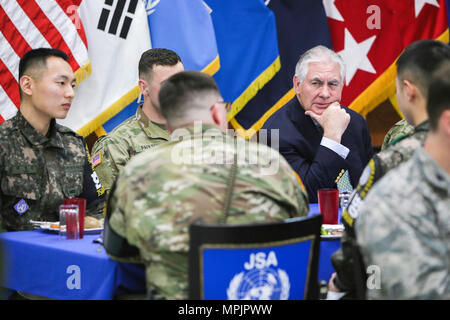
(319, 138)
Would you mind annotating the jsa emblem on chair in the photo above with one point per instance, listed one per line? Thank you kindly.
(261, 280)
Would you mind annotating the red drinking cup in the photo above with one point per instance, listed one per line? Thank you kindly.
(81, 202)
(72, 225)
(68, 221)
(329, 205)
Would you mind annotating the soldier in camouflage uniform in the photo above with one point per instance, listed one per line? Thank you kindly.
(399, 130)
(414, 70)
(146, 129)
(403, 227)
(42, 162)
(161, 192)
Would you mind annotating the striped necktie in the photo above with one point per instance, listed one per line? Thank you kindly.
(344, 183)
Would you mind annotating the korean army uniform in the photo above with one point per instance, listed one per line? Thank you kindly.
(403, 229)
(383, 162)
(37, 172)
(396, 153)
(398, 131)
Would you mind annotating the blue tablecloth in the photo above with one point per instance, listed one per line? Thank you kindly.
(44, 264)
(47, 265)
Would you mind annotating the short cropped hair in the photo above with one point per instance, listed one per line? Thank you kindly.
(37, 58)
(439, 94)
(318, 54)
(156, 57)
(185, 93)
(420, 60)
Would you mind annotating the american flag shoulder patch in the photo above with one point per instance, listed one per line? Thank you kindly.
(96, 160)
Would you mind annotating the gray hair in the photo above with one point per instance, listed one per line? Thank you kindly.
(318, 54)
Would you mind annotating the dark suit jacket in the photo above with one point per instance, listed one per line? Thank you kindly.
(319, 166)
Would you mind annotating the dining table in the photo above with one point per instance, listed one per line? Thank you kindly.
(328, 246)
(46, 264)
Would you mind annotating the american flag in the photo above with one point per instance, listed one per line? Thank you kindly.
(28, 24)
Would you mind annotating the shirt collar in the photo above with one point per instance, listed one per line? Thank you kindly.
(151, 129)
(34, 137)
(423, 126)
(199, 129)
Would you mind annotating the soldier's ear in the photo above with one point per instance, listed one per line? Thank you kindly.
(444, 122)
(219, 115)
(143, 87)
(215, 113)
(26, 85)
(411, 90)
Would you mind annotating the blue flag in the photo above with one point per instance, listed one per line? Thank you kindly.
(247, 42)
(184, 27)
(300, 25)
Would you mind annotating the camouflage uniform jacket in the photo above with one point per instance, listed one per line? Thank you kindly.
(161, 192)
(112, 151)
(401, 129)
(404, 229)
(378, 166)
(402, 148)
(37, 172)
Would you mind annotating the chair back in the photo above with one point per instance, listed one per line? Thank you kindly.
(265, 261)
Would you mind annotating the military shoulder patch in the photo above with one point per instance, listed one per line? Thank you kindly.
(371, 174)
(351, 212)
(96, 159)
(365, 175)
(21, 207)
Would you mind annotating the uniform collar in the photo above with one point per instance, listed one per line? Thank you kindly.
(151, 129)
(432, 171)
(423, 126)
(35, 137)
(199, 129)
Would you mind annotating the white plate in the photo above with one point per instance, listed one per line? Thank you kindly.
(339, 227)
(93, 231)
(331, 237)
(47, 228)
(332, 227)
